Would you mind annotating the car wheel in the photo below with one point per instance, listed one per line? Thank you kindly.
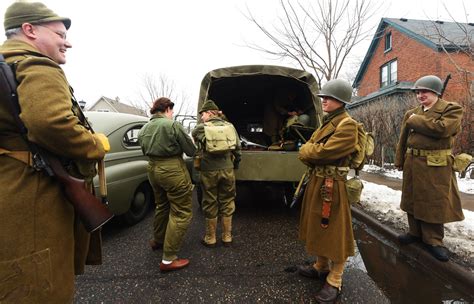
(141, 203)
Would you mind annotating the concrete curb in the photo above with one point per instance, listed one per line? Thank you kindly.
(455, 273)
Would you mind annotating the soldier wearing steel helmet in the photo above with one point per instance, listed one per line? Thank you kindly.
(326, 224)
(430, 194)
(42, 245)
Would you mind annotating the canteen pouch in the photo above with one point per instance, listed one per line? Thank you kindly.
(354, 188)
(461, 162)
(437, 160)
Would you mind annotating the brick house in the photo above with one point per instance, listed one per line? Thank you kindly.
(105, 104)
(402, 51)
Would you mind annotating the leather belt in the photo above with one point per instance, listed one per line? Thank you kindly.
(23, 156)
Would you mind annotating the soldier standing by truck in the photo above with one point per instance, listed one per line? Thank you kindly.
(42, 244)
(219, 156)
(430, 194)
(326, 223)
(164, 141)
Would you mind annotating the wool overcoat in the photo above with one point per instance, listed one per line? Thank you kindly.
(38, 240)
(430, 193)
(331, 144)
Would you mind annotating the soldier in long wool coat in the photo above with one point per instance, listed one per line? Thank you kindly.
(326, 224)
(430, 195)
(41, 243)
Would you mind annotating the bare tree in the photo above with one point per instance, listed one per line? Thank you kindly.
(154, 88)
(459, 49)
(318, 38)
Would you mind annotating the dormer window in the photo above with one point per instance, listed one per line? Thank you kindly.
(388, 41)
(388, 74)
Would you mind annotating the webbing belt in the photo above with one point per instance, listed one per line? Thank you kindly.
(23, 156)
(420, 152)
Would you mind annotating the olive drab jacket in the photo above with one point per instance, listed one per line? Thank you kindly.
(430, 193)
(330, 144)
(38, 240)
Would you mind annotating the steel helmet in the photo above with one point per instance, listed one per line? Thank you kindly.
(338, 89)
(430, 82)
(304, 119)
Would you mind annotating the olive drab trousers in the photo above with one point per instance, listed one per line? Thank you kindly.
(172, 187)
(218, 193)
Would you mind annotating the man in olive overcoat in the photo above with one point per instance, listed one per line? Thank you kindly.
(41, 242)
(326, 223)
(430, 194)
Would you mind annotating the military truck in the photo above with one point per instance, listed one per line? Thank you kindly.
(247, 95)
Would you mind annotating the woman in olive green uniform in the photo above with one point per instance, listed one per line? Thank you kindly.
(326, 224)
(164, 140)
(38, 241)
(217, 178)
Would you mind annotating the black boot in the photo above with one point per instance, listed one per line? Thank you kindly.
(327, 294)
(439, 252)
(310, 272)
(407, 238)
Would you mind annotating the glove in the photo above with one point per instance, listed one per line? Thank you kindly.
(236, 165)
(103, 140)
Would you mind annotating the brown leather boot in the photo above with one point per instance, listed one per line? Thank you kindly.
(327, 294)
(227, 230)
(209, 239)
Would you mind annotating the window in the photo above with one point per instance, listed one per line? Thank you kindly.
(130, 138)
(388, 74)
(388, 41)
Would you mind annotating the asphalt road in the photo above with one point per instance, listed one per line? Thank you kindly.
(259, 268)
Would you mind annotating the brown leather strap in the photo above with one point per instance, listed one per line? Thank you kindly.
(326, 195)
(23, 156)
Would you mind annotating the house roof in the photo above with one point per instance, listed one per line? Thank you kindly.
(436, 35)
(120, 107)
(400, 87)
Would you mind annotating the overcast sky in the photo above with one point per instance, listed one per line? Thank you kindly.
(115, 43)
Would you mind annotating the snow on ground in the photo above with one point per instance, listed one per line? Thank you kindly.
(384, 203)
(465, 185)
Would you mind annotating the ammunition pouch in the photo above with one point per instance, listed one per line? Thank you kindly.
(338, 173)
(434, 158)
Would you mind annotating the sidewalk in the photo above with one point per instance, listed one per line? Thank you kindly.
(467, 200)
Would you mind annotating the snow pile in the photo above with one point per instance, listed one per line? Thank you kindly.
(465, 185)
(383, 203)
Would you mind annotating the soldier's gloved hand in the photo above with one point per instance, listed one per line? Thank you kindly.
(236, 165)
(103, 140)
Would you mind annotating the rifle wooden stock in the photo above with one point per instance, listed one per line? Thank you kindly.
(91, 211)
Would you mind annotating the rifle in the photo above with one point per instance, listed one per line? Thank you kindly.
(445, 84)
(91, 211)
(299, 192)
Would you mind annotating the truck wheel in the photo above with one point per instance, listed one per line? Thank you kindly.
(140, 205)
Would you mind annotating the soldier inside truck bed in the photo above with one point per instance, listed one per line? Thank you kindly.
(285, 109)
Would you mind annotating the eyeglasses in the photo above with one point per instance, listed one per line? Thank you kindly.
(62, 35)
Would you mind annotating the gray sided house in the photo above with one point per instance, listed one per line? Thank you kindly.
(402, 50)
(105, 104)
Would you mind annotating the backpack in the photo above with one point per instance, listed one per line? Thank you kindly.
(220, 138)
(364, 148)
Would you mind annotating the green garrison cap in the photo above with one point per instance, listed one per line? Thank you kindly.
(208, 105)
(31, 12)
